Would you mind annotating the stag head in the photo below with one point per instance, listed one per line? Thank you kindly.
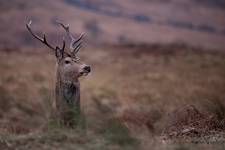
(70, 67)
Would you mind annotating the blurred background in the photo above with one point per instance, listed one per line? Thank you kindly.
(158, 73)
(194, 22)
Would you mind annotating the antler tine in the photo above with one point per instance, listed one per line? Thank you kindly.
(77, 48)
(73, 45)
(43, 40)
(63, 47)
(66, 28)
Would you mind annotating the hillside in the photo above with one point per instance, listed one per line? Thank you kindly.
(196, 23)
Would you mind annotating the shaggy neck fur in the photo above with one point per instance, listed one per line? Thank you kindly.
(67, 100)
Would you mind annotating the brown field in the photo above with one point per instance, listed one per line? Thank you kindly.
(157, 80)
(150, 97)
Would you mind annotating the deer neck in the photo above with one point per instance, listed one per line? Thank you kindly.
(67, 94)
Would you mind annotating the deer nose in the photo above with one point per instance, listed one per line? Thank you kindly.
(87, 68)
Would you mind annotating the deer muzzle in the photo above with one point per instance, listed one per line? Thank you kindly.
(85, 70)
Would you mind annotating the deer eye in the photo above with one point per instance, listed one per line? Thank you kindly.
(67, 62)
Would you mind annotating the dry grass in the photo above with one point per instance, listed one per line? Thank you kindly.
(126, 99)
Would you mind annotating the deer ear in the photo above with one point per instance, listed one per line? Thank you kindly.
(58, 53)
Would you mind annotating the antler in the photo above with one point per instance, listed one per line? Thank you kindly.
(44, 40)
(75, 44)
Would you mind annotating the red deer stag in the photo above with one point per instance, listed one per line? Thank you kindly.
(69, 69)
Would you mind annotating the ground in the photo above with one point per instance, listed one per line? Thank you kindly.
(137, 97)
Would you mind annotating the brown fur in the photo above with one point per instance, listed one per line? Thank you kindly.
(69, 69)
